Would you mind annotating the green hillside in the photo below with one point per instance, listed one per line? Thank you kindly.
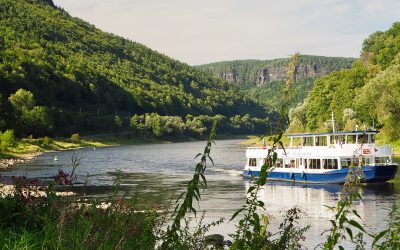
(264, 79)
(367, 94)
(85, 80)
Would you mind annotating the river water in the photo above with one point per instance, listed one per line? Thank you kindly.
(157, 173)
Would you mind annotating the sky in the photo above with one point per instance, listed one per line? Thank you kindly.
(198, 32)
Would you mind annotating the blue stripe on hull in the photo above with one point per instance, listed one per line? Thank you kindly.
(371, 174)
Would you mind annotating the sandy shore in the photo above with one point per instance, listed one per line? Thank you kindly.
(8, 162)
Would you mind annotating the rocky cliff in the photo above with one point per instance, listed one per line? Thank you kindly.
(249, 73)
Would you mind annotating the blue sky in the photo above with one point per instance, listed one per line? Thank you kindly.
(198, 32)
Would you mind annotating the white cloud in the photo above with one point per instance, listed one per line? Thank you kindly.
(213, 30)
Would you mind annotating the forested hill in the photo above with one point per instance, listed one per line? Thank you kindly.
(264, 80)
(75, 77)
(367, 94)
(250, 73)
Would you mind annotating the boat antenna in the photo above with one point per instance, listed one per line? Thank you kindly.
(333, 123)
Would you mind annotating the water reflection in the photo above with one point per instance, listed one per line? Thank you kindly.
(377, 200)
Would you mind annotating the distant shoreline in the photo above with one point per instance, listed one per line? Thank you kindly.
(28, 149)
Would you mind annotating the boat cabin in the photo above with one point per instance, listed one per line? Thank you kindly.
(327, 139)
(319, 152)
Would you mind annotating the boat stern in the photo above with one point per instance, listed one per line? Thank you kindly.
(381, 173)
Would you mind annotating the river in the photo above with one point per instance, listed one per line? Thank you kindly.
(157, 173)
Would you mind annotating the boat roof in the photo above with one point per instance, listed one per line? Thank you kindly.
(358, 132)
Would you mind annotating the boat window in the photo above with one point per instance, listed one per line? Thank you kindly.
(252, 162)
(290, 163)
(367, 161)
(363, 138)
(330, 163)
(279, 162)
(286, 162)
(337, 139)
(372, 138)
(382, 160)
(267, 161)
(296, 142)
(320, 141)
(351, 139)
(345, 162)
(315, 164)
(308, 141)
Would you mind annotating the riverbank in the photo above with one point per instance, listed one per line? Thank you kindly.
(26, 149)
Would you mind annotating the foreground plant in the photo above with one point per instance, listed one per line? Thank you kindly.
(252, 231)
(343, 225)
(54, 222)
(176, 235)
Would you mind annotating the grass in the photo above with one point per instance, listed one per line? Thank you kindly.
(26, 147)
(60, 223)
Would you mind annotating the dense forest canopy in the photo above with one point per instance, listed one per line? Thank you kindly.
(84, 79)
(264, 80)
(366, 95)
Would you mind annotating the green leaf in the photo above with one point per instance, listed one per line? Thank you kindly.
(349, 232)
(251, 188)
(209, 157)
(204, 180)
(357, 225)
(278, 138)
(198, 155)
(236, 213)
(356, 213)
(180, 196)
(379, 236)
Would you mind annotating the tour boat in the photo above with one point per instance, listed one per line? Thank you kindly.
(325, 158)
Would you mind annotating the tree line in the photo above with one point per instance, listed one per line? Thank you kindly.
(366, 95)
(68, 65)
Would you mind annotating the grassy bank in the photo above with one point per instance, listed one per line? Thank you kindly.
(27, 147)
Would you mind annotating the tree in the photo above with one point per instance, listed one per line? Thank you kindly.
(36, 121)
(118, 121)
(22, 100)
(381, 96)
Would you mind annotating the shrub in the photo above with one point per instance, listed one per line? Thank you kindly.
(7, 139)
(75, 137)
(45, 141)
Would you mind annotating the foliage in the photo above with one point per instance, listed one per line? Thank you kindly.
(385, 104)
(22, 100)
(252, 231)
(343, 226)
(264, 80)
(390, 237)
(173, 237)
(7, 139)
(154, 125)
(83, 77)
(369, 89)
(75, 137)
(31, 220)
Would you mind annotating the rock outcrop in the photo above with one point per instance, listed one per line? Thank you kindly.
(259, 73)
